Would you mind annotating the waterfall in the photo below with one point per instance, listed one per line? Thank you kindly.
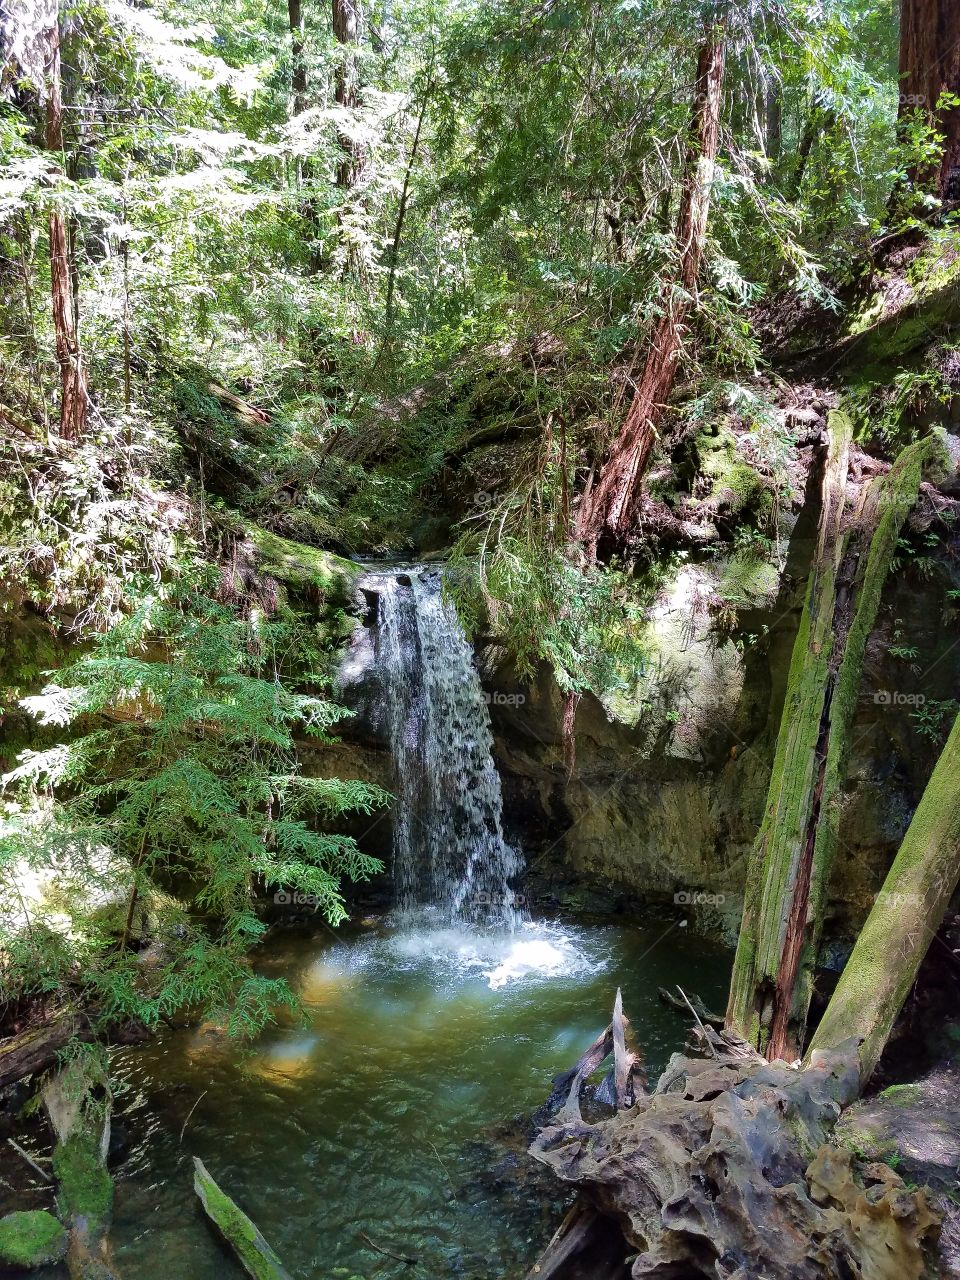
(448, 848)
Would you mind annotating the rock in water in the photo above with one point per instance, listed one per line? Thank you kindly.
(33, 1238)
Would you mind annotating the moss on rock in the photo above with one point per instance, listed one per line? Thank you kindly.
(302, 566)
(33, 1238)
(734, 484)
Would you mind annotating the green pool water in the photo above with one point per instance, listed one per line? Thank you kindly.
(378, 1118)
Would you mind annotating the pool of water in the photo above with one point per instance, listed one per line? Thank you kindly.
(375, 1121)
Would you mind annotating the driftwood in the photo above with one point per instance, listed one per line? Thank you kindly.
(387, 1253)
(241, 1234)
(625, 1078)
(690, 1003)
(727, 1169)
(28, 1159)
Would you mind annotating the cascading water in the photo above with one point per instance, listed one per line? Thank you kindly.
(449, 850)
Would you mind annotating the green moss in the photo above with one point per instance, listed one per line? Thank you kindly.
(734, 484)
(31, 1239)
(906, 915)
(237, 1229)
(902, 1095)
(85, 1188)
(775, 861)
(301, 566)
(880, 336)
(748, 579)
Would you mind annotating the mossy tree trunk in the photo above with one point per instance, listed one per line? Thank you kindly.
(789, 873)
(866, 564)
(778, 880)
(905, 917)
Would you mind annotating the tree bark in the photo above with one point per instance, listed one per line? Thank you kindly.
(298, 63)
(930, 67)
(609, 509)
(905, 917)
(778, 880)
(789, 874)
(346, 30)
(73, 378)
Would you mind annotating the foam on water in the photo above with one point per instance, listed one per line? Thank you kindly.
(452, 954)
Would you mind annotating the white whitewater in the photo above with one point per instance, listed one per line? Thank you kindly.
(448, 849)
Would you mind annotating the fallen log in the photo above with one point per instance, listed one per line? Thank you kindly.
(905, 917)
(240, 1233)
(35, 1050)
(38, 1048)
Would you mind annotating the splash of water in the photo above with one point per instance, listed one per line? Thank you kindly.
(449, 852)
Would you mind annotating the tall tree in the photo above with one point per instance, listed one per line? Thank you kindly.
(346, 29)
(930, 82)
(609, 508)
(73, 378)
(298, 61)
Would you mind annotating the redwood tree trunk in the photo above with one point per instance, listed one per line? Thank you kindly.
(610, 507)
(73, 378)
(298, 62)
(930, 66)
(346, 29)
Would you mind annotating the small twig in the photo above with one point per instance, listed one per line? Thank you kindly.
(190, 1113)
(446, 1172)
(706, 1037)
(397, 1257)
(42, 1173)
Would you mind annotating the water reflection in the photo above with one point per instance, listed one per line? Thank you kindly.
(377, 1117)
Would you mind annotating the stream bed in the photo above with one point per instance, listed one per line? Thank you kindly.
(380, 1116)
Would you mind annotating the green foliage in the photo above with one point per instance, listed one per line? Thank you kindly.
(934, 716)
(585, 623)
(177, 797)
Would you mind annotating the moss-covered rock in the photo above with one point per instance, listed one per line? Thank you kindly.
(734, 485)
(33, 1238)
(300, 566)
